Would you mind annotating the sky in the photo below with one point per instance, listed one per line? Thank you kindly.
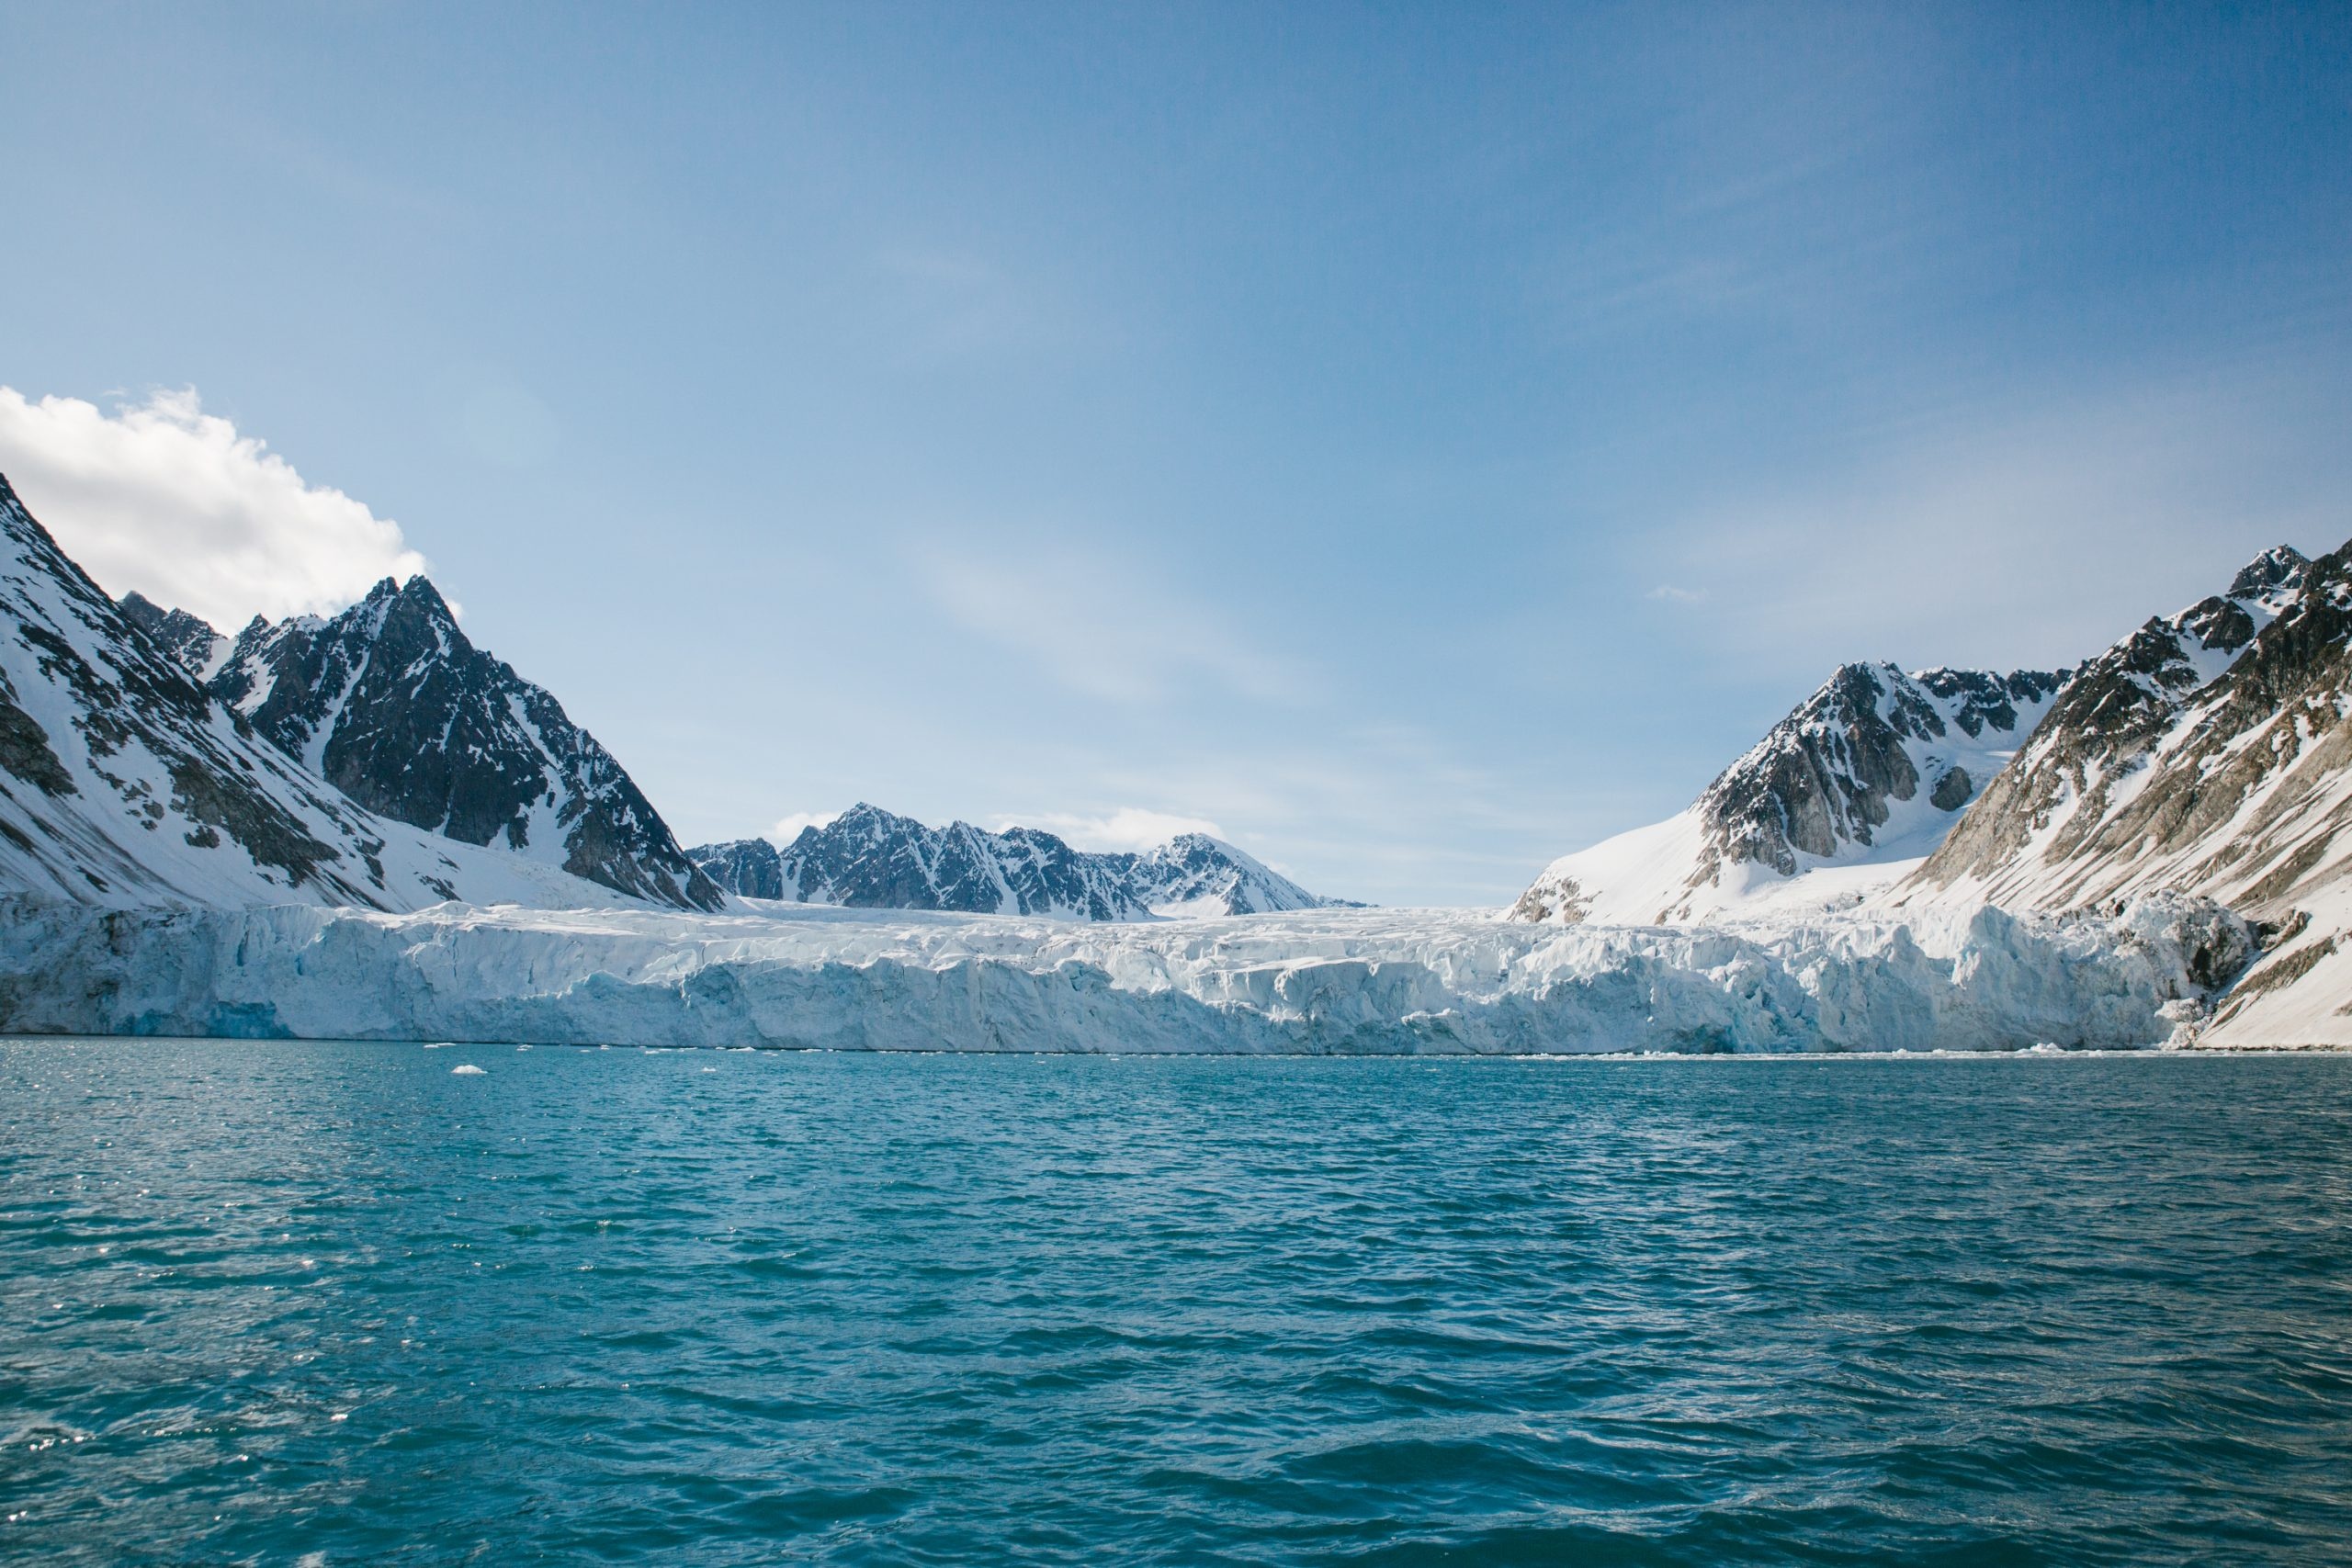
(1411, 441)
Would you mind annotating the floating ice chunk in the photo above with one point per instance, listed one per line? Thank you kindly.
(468, 1070)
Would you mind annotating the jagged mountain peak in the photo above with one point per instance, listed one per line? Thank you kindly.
(1866, 774)
(188, 640)
(391, 703)
(871, 858)
(2192, 721)
(2281, 567)
(124, 782)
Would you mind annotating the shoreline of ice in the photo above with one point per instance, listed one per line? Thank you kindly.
(1308, 983)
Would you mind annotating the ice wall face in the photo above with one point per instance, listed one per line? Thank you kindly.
(123, 783)
(1325, 981)
(870, 859)
(1871, 771)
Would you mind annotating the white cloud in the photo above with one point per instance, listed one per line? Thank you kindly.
(162, 498)
(1128, 828)
(788, 828)
(1666, 592)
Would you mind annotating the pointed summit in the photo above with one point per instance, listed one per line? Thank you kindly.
(1872, 770)
(2166, 738)
(2280, 566)
(420, 593)
(124, 783)
(393, 704)
(189, 640)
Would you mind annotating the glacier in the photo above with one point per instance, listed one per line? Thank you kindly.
(1318, 981)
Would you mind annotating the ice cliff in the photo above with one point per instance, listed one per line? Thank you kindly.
(1317, 981)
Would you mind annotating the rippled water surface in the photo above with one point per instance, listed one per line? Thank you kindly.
(279, 1303)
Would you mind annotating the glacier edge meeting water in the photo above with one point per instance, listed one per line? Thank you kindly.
(1349, 981)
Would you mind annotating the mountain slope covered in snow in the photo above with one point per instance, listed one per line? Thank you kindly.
(391, 703)
(1861, 781)
(869, 858)
(2205, 753)
(123, 783)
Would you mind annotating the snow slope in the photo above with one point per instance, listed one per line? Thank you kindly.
(123, 783)
(1843, 797)
(2205, 753)
(1317, 981)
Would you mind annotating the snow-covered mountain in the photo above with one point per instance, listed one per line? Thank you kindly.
(190, 640)
(869, 858)
(1857, 786)
(1193, 874)
(2205, 753)
(391, 703)
(124, 783)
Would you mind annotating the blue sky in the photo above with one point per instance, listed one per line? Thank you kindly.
(1418, 440)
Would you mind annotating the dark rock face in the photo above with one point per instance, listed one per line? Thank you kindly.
(869, 858)
(1825, 775)
(1840, 781)
(2146, 757)
(188, 642)
(393, 704)
(748, 867)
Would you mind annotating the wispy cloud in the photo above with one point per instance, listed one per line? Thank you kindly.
(2031, 535)
(1670, 593)
(788, 826)
(162, 498)
(1104, 629)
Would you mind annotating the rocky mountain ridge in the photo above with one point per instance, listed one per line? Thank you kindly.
(1868, 771)
(391, 703)
(124, 782)
(2070, 821)
(869, 858)
(2205, 753)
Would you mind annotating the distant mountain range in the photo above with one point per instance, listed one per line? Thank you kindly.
(869, 858)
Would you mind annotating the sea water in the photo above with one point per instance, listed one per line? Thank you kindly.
(316, 1303)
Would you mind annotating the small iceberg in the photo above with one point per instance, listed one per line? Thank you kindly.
(468, 1070)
